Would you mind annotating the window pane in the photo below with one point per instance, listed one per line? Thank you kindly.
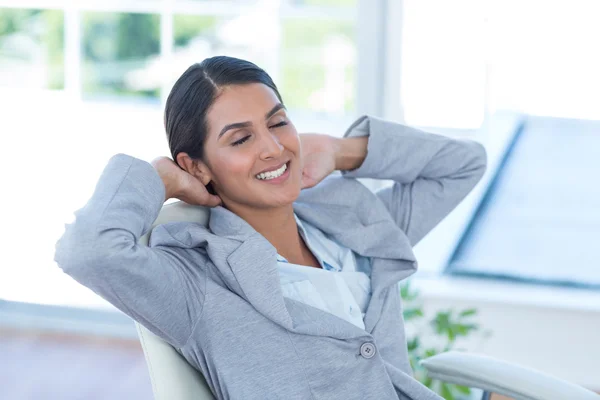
(546, 71)
(318, 65)
(190, 28)
(120, 52)
(443, 63)
(337, 3)
(31, 48)
(199, 37)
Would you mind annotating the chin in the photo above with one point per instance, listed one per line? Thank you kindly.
(283, 199)
(278, 195)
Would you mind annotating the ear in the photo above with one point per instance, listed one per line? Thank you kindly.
(195, 168)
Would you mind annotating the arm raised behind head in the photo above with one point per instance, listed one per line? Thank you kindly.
(161, 287)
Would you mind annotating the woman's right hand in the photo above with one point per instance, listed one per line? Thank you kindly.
(182, 185)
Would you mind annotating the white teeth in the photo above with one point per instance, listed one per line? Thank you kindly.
(272, 174)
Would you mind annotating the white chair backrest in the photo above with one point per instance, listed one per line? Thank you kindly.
(179, 212)
(171, 376)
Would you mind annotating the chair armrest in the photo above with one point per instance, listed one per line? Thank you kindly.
(501, 377)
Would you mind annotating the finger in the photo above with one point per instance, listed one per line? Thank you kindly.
(213, 201)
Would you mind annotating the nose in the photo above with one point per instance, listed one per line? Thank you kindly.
(271, 148)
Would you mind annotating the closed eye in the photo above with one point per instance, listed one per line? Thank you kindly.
(245, 138)
(282, 123)
(241, 141)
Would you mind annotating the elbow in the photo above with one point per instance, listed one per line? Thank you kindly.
(482, 155)
(478, 160)
(80, 252)
(84, 251)
(73, 255)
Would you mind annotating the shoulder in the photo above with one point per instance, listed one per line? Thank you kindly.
(182, 239)
(189, 239)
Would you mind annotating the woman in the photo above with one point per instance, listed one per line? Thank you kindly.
(289, 293)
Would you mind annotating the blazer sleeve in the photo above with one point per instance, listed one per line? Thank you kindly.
(432, 174)
(159, 287)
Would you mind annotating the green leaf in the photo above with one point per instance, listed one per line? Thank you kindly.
(446, 391)
(441, 322)
(462, 389)
(430, 352)
(427, 381)
(468, 312)
(404, 289)
(413, 363)
(464, 329)
(413, 344)
(412, 313)
(407, 293)
(451, 335)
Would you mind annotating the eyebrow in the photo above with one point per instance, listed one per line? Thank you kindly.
(246, 124)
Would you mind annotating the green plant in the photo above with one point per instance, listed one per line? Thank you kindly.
(433, 335)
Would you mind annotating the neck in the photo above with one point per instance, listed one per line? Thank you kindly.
(278, 226)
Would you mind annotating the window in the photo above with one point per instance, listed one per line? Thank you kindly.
(318, 63)
(443, 63)
(463, 60)
(118, 52)
(545, 64)
(31, 48)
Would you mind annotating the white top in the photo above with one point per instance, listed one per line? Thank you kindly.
(342, 287)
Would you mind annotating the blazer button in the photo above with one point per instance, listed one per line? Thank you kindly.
(368, 350)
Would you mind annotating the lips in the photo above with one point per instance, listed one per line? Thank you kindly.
(273, 174)
(271, 169)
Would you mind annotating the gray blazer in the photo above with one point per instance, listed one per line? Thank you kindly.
(214, 294)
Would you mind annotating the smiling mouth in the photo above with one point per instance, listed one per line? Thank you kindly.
(266, 176)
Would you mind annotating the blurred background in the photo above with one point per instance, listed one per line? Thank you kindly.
(83, 80)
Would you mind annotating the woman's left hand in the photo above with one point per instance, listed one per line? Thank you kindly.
(318, 157)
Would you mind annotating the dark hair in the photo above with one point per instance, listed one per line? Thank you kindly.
(194, 93)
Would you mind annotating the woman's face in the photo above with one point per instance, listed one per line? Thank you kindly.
(252, 150)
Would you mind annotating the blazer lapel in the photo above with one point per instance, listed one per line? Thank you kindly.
(382, 241)
(308, 320)
(392, 260)
(253, 264)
